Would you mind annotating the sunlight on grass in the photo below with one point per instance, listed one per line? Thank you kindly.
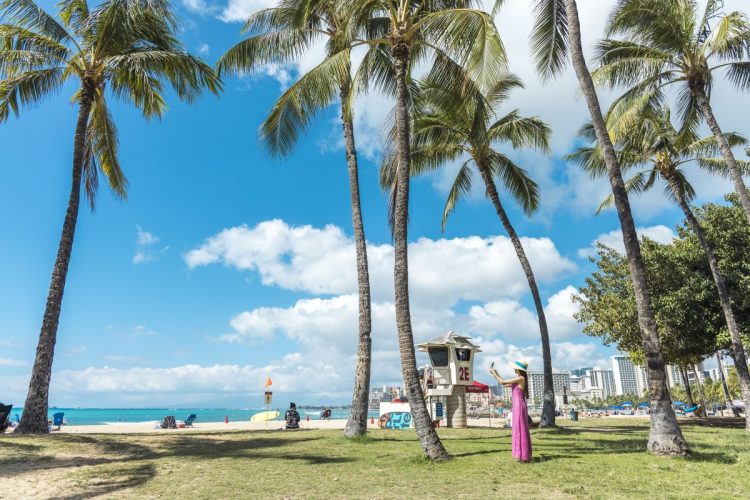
(590, 458)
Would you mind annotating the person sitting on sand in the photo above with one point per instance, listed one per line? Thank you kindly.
(292, 417)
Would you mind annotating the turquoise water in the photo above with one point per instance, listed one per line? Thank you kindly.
(103, 416)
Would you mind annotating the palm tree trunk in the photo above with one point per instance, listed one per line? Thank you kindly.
(665, 437)
(548, 407)
(34, 417)
(688, 390)
(725, 387)
(721, 287)
(357, 424)
(701, 394)
(428, 438)
(700, 96)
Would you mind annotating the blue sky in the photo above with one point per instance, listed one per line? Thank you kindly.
(225, 266)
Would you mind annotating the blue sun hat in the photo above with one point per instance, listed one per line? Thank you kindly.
(520, 365)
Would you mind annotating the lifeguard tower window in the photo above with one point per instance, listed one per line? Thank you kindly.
(463, 354)
(438, 356)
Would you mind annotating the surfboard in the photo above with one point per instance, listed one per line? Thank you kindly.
(264, 416)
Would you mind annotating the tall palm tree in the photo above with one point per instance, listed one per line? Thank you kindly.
(666, 42)
(444, 133)
(400, 34)
(282, 33)
(557, 35)
(126, 45)
(664, 151)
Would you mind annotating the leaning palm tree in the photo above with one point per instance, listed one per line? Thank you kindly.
(666, 42)
(557, 35)
(128, 46)
(401, 34)
(655, 149)
(281, 34)
(444, 133)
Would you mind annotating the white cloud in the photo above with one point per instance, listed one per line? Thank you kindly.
(240, 10)
(613, 239)
(322, 261)
(131, 333)
(145, 244)
(12, 362)
(204, 49)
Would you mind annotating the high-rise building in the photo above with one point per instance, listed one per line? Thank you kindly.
(560, 384)
(624, 374)
(580, 372)
(641, 380)
(599, 383)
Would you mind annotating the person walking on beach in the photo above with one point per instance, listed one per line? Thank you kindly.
(521, 439)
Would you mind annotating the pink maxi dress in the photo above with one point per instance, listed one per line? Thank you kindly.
(521, 441)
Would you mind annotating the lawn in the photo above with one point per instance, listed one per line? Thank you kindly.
(591, 458)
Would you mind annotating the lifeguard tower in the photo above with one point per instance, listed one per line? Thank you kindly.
(445, 382)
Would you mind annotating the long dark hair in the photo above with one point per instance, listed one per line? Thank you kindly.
(525, 383)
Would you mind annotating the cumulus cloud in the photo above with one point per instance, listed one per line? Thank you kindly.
(613, 239)
(12, 362)
(322, 261)
(145, 247)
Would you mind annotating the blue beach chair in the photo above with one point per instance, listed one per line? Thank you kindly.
(191, 418)
(57, 420)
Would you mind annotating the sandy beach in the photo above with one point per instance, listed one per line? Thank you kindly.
(149, 427)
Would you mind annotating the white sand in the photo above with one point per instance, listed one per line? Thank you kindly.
(134, 428)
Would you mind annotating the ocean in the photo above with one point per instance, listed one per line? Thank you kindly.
(105, 416)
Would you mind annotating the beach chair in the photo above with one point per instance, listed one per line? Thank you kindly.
(190, 419)
(57, 420)
(169, 422)
(4, 417)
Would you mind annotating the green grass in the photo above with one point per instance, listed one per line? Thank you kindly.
(592, 458)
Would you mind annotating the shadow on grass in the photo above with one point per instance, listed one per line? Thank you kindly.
(122, 479)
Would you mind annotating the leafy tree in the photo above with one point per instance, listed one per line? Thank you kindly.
(445, 133)
(683, 295)
(557, 35)
(126, 46)
(280, 35)
(651, 141)
(666, 42)
(690, 316)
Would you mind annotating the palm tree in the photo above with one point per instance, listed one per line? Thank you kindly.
(664, 42)
(126, 45)
(444, 133)
(655, 143)
(283, 32)
(400, 34)
(557, 34)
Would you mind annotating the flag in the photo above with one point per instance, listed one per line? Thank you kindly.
(268, 383)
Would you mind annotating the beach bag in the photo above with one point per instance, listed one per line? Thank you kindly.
(169, 422)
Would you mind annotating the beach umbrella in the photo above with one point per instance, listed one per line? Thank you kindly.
(678, 403)
(627, 403)
(643, 405)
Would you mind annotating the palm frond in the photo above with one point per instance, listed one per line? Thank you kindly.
(516, 180)
(104, 144)
(470, 38)
(28, 89)
(549, 37)
(294, 110)
(27, 14)
(521, 132)
(461, 188)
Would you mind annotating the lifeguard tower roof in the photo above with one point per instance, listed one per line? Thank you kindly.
(449, 339)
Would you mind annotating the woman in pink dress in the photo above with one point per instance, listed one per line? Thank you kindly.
(521, 440)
